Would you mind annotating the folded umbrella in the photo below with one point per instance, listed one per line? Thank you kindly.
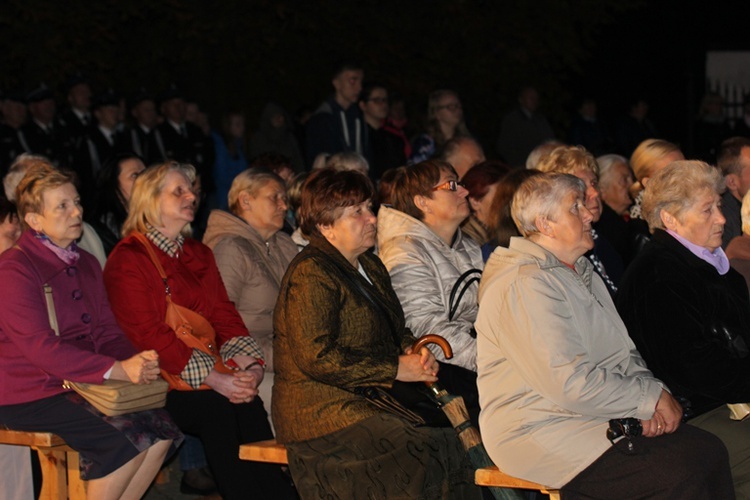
(455, 409)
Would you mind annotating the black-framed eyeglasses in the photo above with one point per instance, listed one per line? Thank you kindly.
(450, 185)
(378, 100)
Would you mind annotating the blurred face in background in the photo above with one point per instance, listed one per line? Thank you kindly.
(348, 85)
(129, 170)
(376, 105)
(614, 188)
(10, 231)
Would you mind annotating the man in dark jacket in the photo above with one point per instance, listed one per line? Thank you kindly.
(338, 124)
(43, 134)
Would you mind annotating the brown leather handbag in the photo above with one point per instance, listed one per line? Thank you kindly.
(190, 327)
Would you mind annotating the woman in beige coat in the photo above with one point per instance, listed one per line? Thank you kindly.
(556, 365)
(252, 254)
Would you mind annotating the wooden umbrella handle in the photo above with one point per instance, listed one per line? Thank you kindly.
(433, 339)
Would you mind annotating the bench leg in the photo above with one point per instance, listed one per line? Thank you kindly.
(54, 483)
(76, 485)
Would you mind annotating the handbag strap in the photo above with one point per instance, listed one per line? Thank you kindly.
(51, 308)
(51, 314)
(142, 238)
(453, 307)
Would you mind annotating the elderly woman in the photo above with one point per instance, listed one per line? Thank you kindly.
(556, 364)
(688, 311)
(481, 181)
(615, 179)
(575, 160)
(649, 157)
(339, 327)
(427, 256)
(119, 455)
(252, 254)
(227, 413)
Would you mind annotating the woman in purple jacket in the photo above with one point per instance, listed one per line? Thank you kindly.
(119, 455)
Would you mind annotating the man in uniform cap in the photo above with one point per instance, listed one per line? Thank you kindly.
(42, 134)
(77, 118)
(143, 111)
(101, 142)
(176, 139)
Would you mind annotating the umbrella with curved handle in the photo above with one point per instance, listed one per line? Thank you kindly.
(455, 409)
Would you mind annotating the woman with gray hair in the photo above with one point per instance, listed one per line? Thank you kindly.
(556, 365)
(688, 311)
(252, 254)
(615, 178)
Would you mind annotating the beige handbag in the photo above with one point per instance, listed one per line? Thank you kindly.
(113, 397)
(739, 411)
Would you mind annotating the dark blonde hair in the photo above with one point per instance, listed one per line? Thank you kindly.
(567, 160)
(251, 181)
(144, 200)
(644, 159)
(40, 177)
(433, 125)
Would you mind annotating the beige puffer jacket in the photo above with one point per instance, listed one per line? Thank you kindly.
(251, 270)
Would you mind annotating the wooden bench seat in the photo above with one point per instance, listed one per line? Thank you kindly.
(492, 476)
(61, 479)
(272, 452)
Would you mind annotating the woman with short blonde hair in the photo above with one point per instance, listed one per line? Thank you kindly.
(144, 200)
(252, 253)
(214, 397)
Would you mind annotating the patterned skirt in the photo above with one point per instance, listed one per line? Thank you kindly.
(383, 457)
(104, 443)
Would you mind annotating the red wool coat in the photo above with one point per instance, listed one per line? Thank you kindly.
(138, 300)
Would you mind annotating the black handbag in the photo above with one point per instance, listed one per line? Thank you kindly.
(414, 401)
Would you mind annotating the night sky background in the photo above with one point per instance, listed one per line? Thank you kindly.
(241, 54)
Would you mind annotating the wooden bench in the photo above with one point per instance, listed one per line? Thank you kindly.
(492, 476)
(61, 479)
(272, 452)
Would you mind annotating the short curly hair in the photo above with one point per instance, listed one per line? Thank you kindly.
(675, 189)
(568, 160)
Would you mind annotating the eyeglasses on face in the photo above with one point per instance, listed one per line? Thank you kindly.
(450, 185)
(378, 100)
(454, 106)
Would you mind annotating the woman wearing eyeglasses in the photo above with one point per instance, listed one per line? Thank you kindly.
(433, 266)
(445, 120)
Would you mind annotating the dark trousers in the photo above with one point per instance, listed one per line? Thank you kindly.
(688, 464)
(222, 427)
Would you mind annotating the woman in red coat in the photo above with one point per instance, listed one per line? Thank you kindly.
(227, 412)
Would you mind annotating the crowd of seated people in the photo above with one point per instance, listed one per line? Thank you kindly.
(566, 288)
